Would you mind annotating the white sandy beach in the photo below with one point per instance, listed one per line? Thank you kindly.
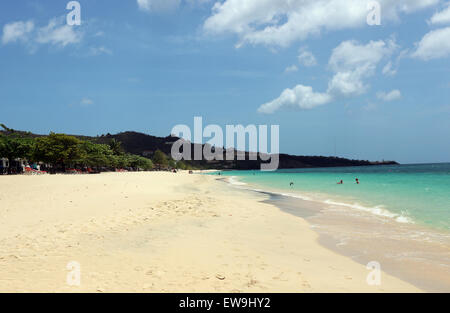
(162, 232)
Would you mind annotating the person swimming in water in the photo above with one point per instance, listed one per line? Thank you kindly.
(291, 184)
(341, 182)
(357, 181)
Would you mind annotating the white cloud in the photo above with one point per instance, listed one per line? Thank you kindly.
(17, 31)
(389, 69)
(390, 96)
(435, 44)
(370, 106)
(281, 22)
(94, 51)
(350, 55)
(349, 83)
(58, 33)
(306, 58)
(442, 17)
(165, 5)
(302, 97)
(290, 69)
(144, 5)
(351, 63)
(86, 102)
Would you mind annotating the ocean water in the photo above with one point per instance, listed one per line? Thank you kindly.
(416, 194)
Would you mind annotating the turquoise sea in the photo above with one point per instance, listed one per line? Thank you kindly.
(418, 194)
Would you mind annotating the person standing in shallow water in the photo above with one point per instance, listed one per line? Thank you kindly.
(341, 182)
(357, 181)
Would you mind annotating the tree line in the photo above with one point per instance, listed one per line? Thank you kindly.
(61, 152)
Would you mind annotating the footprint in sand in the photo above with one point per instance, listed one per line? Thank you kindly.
(252, 282)
(306, 284)
(220, 277)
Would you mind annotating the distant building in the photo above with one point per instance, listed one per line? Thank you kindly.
(4, 165)
(4, 162)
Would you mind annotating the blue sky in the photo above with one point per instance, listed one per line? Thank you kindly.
(316, 68)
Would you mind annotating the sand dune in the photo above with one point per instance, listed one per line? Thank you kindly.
(161, 232)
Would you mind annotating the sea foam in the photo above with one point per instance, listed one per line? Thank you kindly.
(378, 210)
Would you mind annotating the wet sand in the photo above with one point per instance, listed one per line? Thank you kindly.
(413, 253)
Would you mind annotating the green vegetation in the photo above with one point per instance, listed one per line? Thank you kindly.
(60, 152)
(160, 159)
(58, 149)
(116, 147)
(97, 155)
(12, 147)
(136, 161)
(172, 164)
(181, 165)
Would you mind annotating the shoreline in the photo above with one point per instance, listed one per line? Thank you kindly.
(162, 232)
(425, 264)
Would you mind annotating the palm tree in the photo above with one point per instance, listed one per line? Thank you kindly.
(6, 129)
(116, 146)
